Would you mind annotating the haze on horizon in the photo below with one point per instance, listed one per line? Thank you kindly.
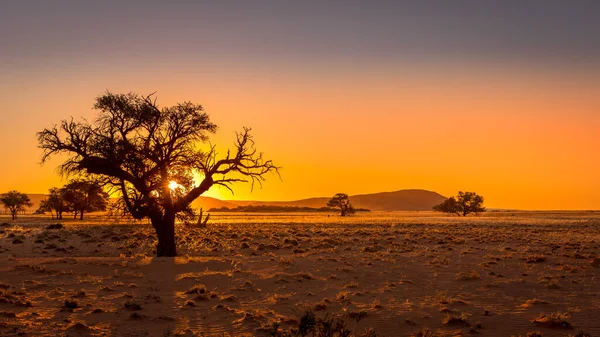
(500, 98)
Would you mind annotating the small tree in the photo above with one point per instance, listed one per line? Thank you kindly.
(448, 206)
(138, 150)
(55, 203)
(43, 208)
(464, 204)
(341, 201)
(15, 202)
(84, 196)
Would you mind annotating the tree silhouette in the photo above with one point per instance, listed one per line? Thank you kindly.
(448, 206)
(43, 208)
(341, 201)
(137, 149)
(15, 202)
(464, 204)
(55, 203)
(84, 196)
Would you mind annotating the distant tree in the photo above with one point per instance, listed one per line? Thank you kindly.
(138, 150)
(15, 202)
(470, 202)
(43, 208)
(341, 201)
(82, 196)
(55, 203)
(448, 206)
(463, 204)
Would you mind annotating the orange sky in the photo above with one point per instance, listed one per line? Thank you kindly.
(520, 130)
(523, 141)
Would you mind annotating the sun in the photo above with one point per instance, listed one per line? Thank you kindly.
(173, 185)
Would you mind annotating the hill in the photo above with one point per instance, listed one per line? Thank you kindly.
(207, 203)
(403, 200)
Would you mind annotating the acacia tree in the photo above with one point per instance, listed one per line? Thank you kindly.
(43, 208)
(15, 202)
(464, 204)
(448, 206)
(84, 196)
(55, 203)
(137, 149)
(341, 201)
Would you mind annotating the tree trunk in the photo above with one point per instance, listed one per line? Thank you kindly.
(81, 215)
(14, 215)
(165, 231)
(344, 210)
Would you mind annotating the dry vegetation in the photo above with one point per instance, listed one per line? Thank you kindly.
(387, 274)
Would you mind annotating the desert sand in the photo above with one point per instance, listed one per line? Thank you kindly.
(397, 273)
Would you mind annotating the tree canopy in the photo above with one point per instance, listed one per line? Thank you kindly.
(137, 149)
(342, 202)
(463, 204)
(84, 196)
(15, 202)
(55, 203)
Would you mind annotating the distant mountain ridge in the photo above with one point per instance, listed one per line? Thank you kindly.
(402, 200)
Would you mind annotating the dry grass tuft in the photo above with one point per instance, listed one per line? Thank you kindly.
(467, 276)
(426, 332)
(530, 334)
(351, 285)
(554, 320)
(71, 304)
(451, 319)
(532, 302)
(132, 305)
(580, 334)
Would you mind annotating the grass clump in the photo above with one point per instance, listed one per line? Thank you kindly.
(352, 284)
(534, 258)
(532, 302)
(132, 305)
(426, 332)
(451, 319)
(322, 305)
(580, 334)
(467, 276)
(55, 226)
(71, 304)
(530, 334)
(197, 289)
(309, 324)
(554, 320)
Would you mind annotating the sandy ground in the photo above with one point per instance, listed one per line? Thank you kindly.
(491, 275)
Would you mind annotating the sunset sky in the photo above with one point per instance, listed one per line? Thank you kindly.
(497, 97)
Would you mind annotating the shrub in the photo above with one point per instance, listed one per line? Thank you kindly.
(132, 305)
(71, 304)
(455, 320)
(554, 320)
